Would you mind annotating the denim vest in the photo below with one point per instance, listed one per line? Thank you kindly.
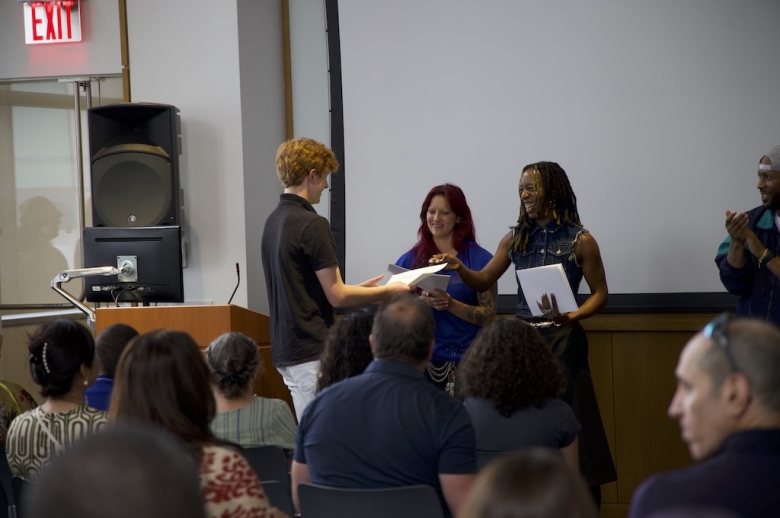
(552, 244)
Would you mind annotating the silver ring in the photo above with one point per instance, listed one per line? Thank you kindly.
(546, 311)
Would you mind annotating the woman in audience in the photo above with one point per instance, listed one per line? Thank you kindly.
(61, 358)
(446, 227)
(534, 483)
(242, 417)
(14, 401)
(511, 381)
(162, 379)
(347, 351)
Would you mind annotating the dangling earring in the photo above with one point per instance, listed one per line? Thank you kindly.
(86, 382)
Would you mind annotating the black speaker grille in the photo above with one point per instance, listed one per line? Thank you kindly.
(132, 189)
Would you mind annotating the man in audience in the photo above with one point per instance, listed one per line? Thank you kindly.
(728, 405)
(388, 427)
(746, 259)
(302, 271)
(109, 345)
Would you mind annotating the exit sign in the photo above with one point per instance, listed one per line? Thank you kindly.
(52, 22)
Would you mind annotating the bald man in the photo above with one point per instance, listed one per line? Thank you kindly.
(728, 405)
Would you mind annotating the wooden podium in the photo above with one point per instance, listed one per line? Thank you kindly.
(204, 324)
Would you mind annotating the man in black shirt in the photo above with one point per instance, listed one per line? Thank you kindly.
(301, 268)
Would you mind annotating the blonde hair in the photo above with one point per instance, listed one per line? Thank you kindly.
(296, 157)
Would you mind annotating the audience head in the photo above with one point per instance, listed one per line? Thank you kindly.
(109, 345)
(532, 483)
(297, 157)
(453, 198)
(163, 379)
(61, 357)
(123, 472)
(726, 382)
(403, 331)
(347, 351)
(509, 364)
(234, 363)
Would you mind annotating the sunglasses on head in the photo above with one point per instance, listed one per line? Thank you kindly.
(716, 331)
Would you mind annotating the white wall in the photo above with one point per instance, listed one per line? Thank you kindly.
(186, 53)
(658, 111)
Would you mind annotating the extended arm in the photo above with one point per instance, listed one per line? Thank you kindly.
(299, 473)
(589, 256)
(455, 489)
(343, 295)
(484, 279)
(571, 455)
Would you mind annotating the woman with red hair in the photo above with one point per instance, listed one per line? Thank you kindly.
(446, 227)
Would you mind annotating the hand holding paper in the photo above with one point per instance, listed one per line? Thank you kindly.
(424, 278)
(546, 288)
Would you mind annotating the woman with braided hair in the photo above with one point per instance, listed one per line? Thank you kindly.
(242, 417)
(549, 231)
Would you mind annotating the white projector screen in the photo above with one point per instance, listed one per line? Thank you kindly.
(658, 111)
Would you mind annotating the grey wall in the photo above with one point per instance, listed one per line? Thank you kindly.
(98, 53)
(263, 128)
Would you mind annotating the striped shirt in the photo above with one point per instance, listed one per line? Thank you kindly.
(262, 422)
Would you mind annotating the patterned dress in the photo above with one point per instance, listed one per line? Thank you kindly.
(229, 486)
(29, 445)
(14, 401)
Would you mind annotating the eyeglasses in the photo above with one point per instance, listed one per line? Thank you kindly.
(716, 330)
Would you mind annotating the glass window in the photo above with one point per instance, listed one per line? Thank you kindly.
(39, 184)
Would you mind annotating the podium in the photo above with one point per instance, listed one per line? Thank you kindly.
(204, 324)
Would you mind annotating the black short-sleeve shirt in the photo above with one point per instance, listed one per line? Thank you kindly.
(297, 242)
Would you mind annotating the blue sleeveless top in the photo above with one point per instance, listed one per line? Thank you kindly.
(552, 244)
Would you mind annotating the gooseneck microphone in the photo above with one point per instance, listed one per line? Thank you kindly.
(238, 275)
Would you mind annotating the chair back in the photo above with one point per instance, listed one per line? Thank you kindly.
(279, 496)
(332, 502)
(269, 463)
(18, 487)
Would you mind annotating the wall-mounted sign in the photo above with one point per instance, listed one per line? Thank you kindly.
(52, 22)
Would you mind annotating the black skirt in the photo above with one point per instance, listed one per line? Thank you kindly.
(570, 345)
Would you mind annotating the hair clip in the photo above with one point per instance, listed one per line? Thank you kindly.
(43, 356)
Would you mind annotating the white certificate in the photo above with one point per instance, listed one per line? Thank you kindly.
(551, 280)
(426, 277)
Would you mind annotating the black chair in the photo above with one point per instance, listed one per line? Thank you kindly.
(18, 487)
(332, 502)
(269, 463)
(5, 482)
(279, 496)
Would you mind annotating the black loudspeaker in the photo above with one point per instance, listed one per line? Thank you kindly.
(134, 153)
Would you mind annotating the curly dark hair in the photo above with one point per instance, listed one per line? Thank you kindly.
(347, 352)
(510, 365)
(549, 179)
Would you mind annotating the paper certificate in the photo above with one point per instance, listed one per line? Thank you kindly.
(424, 278)
(549, 279)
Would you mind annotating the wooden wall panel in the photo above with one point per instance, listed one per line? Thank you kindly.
(600, 360)
(647, 441)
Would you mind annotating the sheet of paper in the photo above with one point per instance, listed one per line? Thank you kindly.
(433, 281)
(419, 276)
(549, 279)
